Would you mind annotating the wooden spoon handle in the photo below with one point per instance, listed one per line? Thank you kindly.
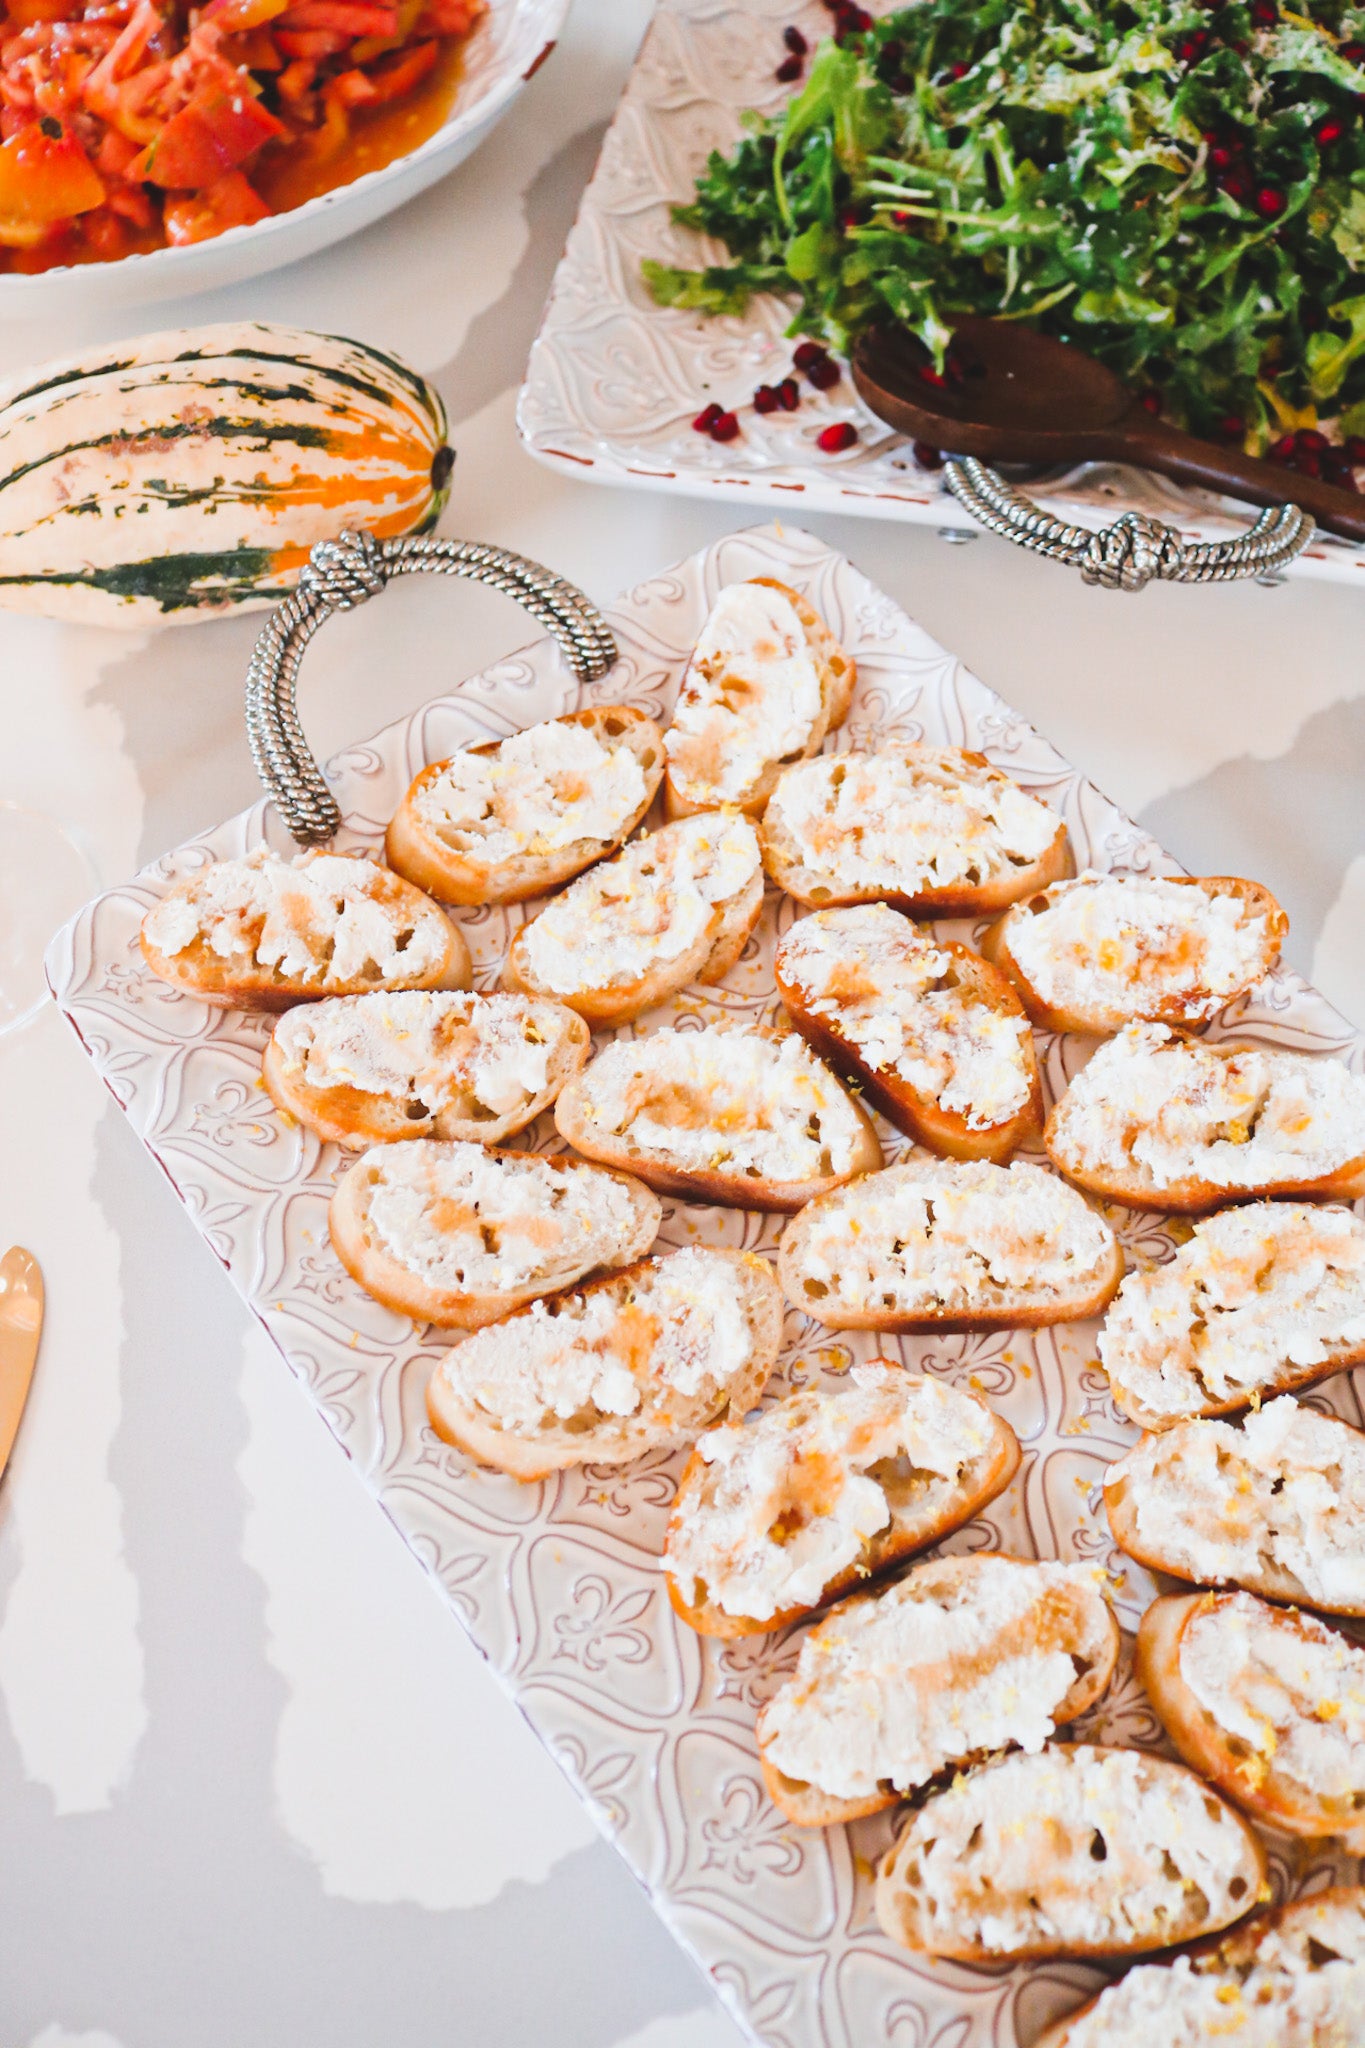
(1155, 445)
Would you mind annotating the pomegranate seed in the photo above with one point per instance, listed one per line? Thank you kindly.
(808, 352)
(1309, 442)
(824, 374)
(790, 68)
(706, 419)
(1264, 14)
(1336, 464)
(795, 41)
(858, 18)
(1351, 53)
(1330, 132)
(852, 217)
(892, 52)
(789, 394)
(765, 399)
(1150, 401)
(900, 218)
(1355, 448)
(1239, 46)
(1220, 157)
(929, 375)
(1237, 187)
(833, 440)
(1308, 464)
(1270, 203)
(1281, 450)
(1231, 427)
(725, 428)
(1342, 476)
(927, 457)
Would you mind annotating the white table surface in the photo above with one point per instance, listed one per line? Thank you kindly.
(255, 1787)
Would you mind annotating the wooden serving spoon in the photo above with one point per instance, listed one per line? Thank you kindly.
(1019, 396)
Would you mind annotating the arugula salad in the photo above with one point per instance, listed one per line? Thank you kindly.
(1178, 189)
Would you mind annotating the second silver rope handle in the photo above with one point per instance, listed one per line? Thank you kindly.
(1135, 550)
(345, 572)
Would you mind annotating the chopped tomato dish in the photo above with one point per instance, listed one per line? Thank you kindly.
(130, 124)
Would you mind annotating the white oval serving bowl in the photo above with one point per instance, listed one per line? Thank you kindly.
(505, 50)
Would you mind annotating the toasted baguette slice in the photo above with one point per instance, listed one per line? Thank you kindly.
(1265, 1299)
(730, 1113)
(674, 907)
(1077, 1851)
(1268, 1703)
(1095, 953)
(639, 1361)
(780, 1514)
(366, 1070)
(514, 818)
(1294, 1978)
(1275, 1504)
(932, 831)
(962, 1657)
(455, 1234)
(936, 1037)
(265, 933)
(766, 682)
(1162, 1121)
(946, 1244)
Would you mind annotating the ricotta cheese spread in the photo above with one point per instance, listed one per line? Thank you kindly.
(537, 792)
(1169, 1109)
(893, 994)
(1010, 1855)
(934, 1236)
(904, 821)
(323, 918)
(466, 1220)
(435, 1047)
(1260, 1292)
(960, 1658)
(651, 905)
(679, 1327)
(1282, 2001)
(1138, 945)
(791, 1500)
(1282, 1493)
(751, 696)
(1290, 1688)
(733, 1101)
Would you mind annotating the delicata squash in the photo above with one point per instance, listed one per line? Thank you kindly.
(190, 472)
(264, 933)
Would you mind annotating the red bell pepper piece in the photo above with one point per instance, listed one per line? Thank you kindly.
(46, 176)
(398, 75)
(203, 142)
(197, 217)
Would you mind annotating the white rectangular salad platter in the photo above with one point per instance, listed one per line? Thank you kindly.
(614, 382)
(558, 1583)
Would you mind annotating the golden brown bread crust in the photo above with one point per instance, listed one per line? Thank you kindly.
(1189, 1010)
(889, 1547)
(838, 674)
(413, 847)
(792, 1249)
(1273, 1584)
(807, 1806)
(530, 1459)
(944, 1131)
(392, 1284)
(896, 1914)
(708, 960)
(356, 1117)
(1251, 1781)
(742, 1191)
(1236, 1951)
(201, 973)
(966, 900)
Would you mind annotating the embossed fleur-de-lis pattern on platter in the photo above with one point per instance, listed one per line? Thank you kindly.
(558, 1583)
(614, 381)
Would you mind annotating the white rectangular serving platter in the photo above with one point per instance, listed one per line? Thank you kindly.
(614, 382)
(558, 1583)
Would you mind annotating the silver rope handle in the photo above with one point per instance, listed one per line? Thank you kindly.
(340, 574)
(1135, 550)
